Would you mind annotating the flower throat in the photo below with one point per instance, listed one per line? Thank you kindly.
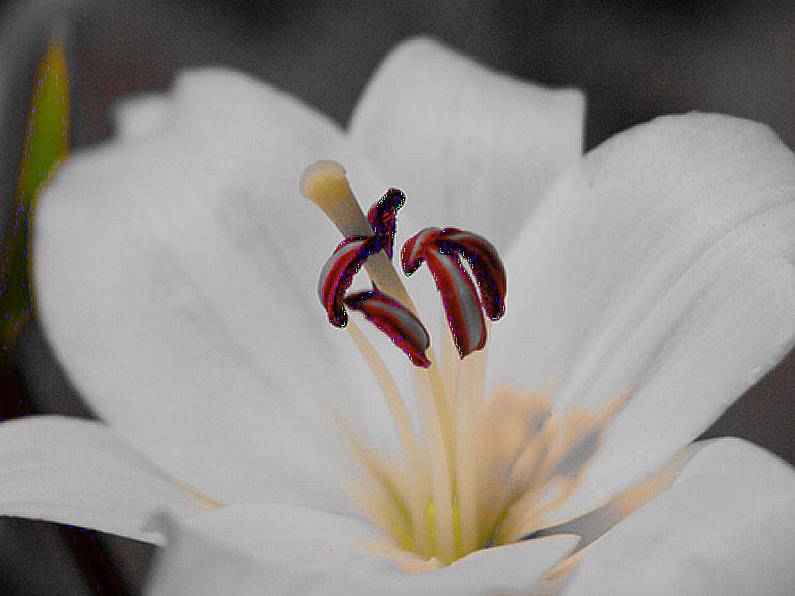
(480, 473)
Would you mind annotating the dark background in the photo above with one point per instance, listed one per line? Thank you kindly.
(635, 60)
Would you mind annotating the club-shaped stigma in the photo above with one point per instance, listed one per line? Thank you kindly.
(404, 329)
(383, 218)
(441, 249)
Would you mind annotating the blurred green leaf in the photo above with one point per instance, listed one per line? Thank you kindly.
(45, 146)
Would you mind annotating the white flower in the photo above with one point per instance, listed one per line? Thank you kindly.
(175, 272)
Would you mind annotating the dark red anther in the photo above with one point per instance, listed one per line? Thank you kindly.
(413, 253)
(399, 323)
(486, 265)
(460, 300)
(383, 218)
(441, 249)
(338, 272)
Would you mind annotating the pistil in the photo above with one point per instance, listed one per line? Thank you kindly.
(325, 183)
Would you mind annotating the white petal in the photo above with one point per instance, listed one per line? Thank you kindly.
(470, 147)
(79, 472)
(140, 115)
(726, 526)
(283, 549)
(663, 265)
(175, 273)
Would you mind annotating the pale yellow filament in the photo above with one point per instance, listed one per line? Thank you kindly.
(451, 364)
(469, 406)
(392, 394)
(202, 501)
(419, 493)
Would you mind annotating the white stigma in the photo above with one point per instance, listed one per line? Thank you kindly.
(325, 183)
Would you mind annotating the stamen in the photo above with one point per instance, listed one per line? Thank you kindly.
(338, 272)
(418, 491)
(404, 329)
(391, 393)
(468, 414)
(413, 253)
(451, 365)
(484, 472)
(380, 495)
(320, 183)
(460, 300)
(440, 249)
(202, 501)
(452, 528)
(486, 264)
(383, 218)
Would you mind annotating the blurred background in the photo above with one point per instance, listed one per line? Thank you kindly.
(635, 60)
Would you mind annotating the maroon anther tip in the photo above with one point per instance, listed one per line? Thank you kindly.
(464, 309)
(338, 272)
(404, 329)
(486, 264)
(413, 252)
(383, 218)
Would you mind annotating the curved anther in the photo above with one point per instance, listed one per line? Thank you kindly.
(442, 249)
(413, 253)
(460, 300)
(390, 316)
(338, 272)
(464, 309)
(486, 265)
(383, 218)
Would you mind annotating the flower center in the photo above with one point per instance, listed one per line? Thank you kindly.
(483, 472)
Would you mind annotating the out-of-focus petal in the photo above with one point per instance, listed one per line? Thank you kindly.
(470, 147)
(663, 267)
(726, 526)
(175, 275)
(255, 549)
(79, 472)
(140, 115)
